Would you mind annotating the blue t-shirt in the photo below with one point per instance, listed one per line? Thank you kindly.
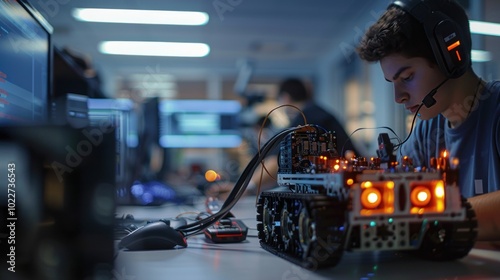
(476, 143)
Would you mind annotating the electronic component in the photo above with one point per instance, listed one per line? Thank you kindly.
(227, 231)
(329, 204)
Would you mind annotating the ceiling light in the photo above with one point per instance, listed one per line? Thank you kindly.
(480, 56)
(154, 48)
(141, 16)
(484, 28)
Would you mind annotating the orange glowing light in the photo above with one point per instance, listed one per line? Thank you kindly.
(454, 45)
(366, 184)
(458, 56)
(428, 197)
(371, 198)
(439, 190)
(211, 175)
(377, 198)
(349, 182)
(420, 196)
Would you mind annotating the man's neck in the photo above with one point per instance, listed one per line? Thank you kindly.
(464, 98)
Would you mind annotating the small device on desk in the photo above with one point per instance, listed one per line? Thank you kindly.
(227, 231)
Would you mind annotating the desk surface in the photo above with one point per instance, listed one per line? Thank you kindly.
(247, 260)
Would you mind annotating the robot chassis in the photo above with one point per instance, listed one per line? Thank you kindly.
(326, 205)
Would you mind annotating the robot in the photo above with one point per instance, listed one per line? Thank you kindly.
(326, 204)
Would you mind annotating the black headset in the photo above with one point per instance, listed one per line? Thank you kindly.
(450, 47)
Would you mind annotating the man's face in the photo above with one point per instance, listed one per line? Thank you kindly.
(413, 78)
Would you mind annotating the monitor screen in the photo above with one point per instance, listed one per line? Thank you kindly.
(200, 123)
(25, 64)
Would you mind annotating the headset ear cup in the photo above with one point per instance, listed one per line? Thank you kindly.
(451, 54)
(445, 36)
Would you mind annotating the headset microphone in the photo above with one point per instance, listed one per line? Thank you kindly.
(429, 98)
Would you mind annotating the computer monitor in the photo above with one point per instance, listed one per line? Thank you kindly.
(200, 123)
(151, 120)
(151, 152)
(25, 64)
(118, 116)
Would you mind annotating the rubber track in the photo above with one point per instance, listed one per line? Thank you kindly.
(329, 217)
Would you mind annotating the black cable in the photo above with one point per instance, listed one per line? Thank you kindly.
(238, 189)
(411, 128)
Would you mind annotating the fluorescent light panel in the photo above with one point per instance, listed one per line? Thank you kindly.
(484, 28)
(154, 48)
(480, 56)
(141, 16)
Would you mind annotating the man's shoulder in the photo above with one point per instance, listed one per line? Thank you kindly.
(489, 100)
(492, 92)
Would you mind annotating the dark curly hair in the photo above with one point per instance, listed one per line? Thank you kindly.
(396, 31)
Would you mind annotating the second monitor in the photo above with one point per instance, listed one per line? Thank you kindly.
(199, 123)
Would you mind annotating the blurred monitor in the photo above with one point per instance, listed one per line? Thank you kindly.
(152, 155)
(151, 120)
(199, 123)
(117, 116)
(25, 64)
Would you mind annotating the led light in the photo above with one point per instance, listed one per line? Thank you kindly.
(376, 198)
(439, 190)
(484, 28)
(154, 48)
(367, 184)
(141, 16)
(211, 176)
(427, 197)
(371, 198)
(420, 196)
(454, 45)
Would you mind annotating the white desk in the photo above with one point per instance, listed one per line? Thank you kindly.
(247, 260)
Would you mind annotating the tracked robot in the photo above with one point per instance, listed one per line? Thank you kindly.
(327, 204)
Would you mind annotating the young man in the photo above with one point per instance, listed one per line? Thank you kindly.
(424, 49)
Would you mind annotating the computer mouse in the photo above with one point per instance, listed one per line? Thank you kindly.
(153, 236)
